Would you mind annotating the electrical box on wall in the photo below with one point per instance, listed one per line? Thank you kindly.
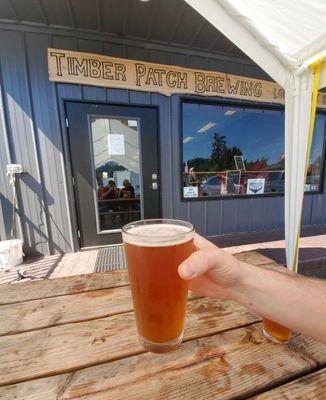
(14, 169)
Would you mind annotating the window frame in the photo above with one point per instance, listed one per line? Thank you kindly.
(241, 104)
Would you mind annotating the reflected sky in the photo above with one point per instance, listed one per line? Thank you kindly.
(258, 133)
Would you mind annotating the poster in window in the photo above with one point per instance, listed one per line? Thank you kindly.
(256, 186)
(116, 144)
(233, 182)
(239, 163)
(190, 191)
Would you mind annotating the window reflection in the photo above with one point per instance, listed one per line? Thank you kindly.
(116, 159)
(239, 151)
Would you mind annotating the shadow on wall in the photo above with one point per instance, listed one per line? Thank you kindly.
(36, 235)
(33, 127)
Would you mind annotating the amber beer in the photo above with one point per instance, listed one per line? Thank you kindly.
(154, 249)
(276, 332)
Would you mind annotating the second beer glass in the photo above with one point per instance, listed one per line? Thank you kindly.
(154, 249)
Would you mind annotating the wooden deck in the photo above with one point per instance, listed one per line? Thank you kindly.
(56, 266)
(83, 262)
(75, 338)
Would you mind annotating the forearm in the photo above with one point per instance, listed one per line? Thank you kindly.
(294, 301)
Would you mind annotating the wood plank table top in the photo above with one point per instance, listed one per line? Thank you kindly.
(75, 338)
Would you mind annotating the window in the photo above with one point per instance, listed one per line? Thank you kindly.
(116, 162)
(239, 150)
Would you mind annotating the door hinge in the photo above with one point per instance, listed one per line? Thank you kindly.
(73, 181)
(67, 123)
(78, 233)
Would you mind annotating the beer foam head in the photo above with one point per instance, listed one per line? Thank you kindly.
(157, 235)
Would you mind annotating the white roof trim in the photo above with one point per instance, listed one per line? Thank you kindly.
(224, 17)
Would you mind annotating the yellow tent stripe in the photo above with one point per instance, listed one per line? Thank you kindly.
(315, 67)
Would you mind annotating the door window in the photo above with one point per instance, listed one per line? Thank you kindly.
(115, 144)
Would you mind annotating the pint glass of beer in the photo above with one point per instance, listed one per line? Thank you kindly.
(154, 249)
(276, 332)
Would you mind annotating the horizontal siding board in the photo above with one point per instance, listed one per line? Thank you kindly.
(21, 132)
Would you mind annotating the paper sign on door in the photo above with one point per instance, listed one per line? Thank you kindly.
(116, 144)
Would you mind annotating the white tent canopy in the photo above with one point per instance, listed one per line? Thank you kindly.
(284, 38)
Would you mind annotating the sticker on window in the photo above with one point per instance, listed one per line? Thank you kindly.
(255, 186)
(190, 191)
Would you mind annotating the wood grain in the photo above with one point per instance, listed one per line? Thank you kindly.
(254, 258)
(42, 289)
(26, 291)
(312, 387)
(34, 354)
(237, 363)
(53, 311)
(36, 314)
(122, 73)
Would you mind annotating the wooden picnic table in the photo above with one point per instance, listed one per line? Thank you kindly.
(75, 338)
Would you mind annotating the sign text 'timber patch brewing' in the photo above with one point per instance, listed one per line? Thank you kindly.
(97, 70)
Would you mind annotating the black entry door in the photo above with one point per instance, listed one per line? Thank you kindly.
(114, 155)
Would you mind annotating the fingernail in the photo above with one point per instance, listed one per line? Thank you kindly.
(188, 271)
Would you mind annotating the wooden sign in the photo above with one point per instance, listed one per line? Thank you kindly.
(98, 70)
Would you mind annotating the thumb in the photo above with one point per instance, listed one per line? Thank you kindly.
(202, 261)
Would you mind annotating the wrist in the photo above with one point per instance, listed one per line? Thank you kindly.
(247, 282)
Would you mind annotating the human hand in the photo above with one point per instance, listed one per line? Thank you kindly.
(211, 271)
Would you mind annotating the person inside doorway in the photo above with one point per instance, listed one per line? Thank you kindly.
(100, 188)
(111, 191)
(128, 191)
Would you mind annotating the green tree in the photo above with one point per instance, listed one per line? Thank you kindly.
(222, 156)
(199, 164)
(220, 159)
(218, 150)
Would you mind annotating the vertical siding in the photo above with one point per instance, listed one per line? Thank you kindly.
(47, 131)
(22, 136)
(5, 189)
(66, 91)
(33, 132)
